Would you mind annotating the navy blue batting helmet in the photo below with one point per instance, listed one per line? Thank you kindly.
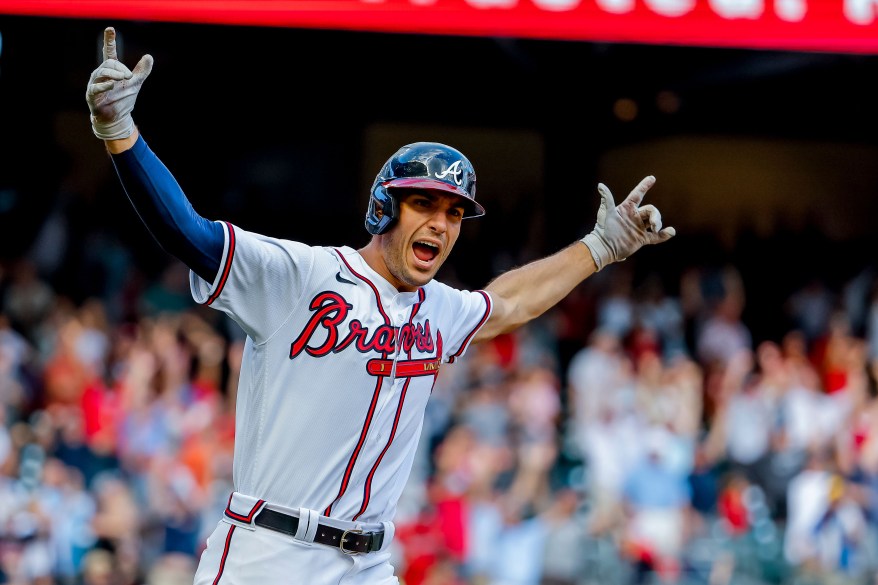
(421, 165)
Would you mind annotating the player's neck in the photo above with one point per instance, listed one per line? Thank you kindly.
(374, 257)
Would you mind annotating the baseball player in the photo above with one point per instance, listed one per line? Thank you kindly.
(343, 346)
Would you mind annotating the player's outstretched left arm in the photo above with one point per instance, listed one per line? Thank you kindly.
(524, 293)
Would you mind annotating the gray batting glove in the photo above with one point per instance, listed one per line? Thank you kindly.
(112, 91)
(621, 231)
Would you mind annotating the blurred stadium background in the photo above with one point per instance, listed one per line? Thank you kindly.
(703, 413)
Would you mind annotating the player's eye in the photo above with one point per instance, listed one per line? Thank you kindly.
(422, 202)
(456, 212)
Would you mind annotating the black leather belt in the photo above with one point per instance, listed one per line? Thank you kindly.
(347, 541)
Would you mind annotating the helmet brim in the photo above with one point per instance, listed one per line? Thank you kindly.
(471, 207)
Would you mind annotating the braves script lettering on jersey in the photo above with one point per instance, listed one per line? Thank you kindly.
(338, 367)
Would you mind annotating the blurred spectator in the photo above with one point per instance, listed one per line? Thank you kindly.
(16, 393)
(170, 293)
(519, 540)
(14, 348)
(656, 311)
(856, 297)
(683, 380)
(615, 309)
(656, 500)
(98, 568)
(175, 498)
(807, 499)
(117, 525)
(612, 447)
(93, 341)
(171, 569)
(563, 560)
(144, 429)
(439, 534)
(828, 538)
(793, 409)
(810, 308)
(731, 505)
(840, 535)
(722, 334)
(747, 419)
(66, 372)
(28, 298)
(831, 352)
(425, 560)
(595, 376)
(535, 407)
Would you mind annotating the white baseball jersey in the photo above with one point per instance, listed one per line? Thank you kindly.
(337, 370)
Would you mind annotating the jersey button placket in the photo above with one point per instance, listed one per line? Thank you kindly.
(400, 319)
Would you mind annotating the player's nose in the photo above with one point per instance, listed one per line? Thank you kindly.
(438, 221)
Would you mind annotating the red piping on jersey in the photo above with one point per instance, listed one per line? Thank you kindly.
(371, 285)
(476, 328)
(240, 517)
(356, 453)
(222, 565)
(227, 267)
(367, 489)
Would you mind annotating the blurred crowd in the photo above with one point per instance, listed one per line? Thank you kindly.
(637, 433)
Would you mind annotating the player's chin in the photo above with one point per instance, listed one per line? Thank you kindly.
(420, 277)
(423, 272)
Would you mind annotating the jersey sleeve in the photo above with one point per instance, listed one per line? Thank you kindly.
(259, 283)
(468, 311)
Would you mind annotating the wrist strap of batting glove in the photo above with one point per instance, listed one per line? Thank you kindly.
(115, 130)
(600, 250)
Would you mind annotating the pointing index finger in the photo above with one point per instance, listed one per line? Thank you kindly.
(110, 43)
(636, 195)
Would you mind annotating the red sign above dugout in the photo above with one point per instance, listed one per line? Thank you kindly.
(848, 26)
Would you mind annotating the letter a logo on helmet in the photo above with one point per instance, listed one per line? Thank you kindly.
(421, 165)
(454, 170)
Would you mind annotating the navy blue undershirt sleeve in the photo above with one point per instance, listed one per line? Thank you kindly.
(167, 213)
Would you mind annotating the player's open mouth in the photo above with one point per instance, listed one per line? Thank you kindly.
(425, 251)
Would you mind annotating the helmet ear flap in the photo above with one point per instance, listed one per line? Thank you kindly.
(382, 211)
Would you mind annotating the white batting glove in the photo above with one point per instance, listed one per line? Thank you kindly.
(621, 231)
(112, 91)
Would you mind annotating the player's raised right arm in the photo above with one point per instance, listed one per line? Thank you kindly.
(150, 186)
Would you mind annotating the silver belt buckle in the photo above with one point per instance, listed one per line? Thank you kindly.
(341, 544)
